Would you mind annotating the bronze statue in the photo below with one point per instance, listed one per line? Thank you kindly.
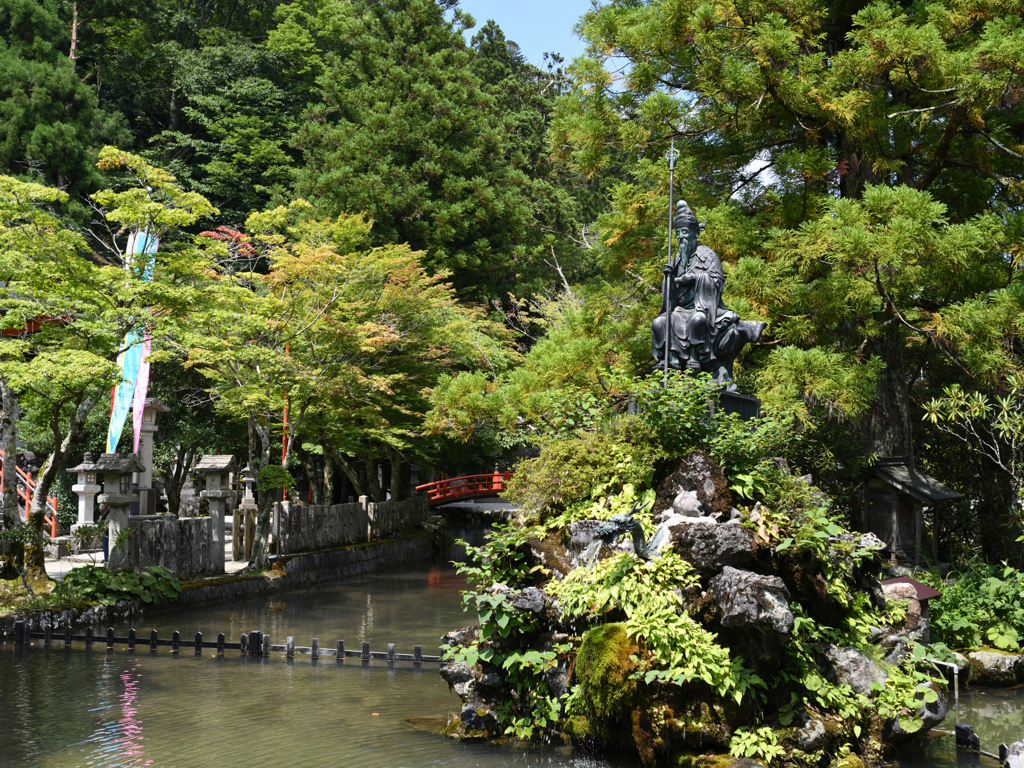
(704, 334)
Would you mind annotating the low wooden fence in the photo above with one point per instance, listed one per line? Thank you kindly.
(250, 644)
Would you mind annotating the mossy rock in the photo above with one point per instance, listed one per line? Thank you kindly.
(850, 761)
(578, 728)
(604, 669)
(693, 760)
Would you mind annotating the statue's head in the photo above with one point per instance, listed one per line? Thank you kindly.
(687, 228)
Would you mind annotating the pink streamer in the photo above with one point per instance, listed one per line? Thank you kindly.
(141, 385)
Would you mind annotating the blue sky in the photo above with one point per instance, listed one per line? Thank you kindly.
(536, 25)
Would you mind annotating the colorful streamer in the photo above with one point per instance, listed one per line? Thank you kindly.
(134, 361)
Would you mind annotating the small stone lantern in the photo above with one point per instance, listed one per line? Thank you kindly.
(217, 472)
(86, 488)
(117, 495)
(245, 518)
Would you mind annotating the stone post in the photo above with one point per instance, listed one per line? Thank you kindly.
(86, 488)
(244, 527)
(217, 471)
(147, 496)
(117, 469)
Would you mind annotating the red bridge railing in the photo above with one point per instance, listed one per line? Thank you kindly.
(26, 487)
(455, 488)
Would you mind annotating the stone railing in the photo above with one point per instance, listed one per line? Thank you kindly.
(299, 528)
(189, 547)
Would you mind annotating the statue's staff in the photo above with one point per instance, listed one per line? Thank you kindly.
(672, 155)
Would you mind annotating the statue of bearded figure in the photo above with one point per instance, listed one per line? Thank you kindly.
(704, 334)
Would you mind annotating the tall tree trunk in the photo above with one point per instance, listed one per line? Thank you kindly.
(54, 463)
(399, 476)
(175, 476)
(357, 479)
(888, 421)
(10, 551)
(373, 485)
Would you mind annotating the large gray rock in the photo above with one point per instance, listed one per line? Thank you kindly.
(697, 473)
(750, 601)
(710, 548)
(530, 599)
(851, 667)
(998, 670)
(1015, 755)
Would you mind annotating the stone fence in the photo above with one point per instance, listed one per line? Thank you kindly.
(299, 528)
(189, 546)
(185, 545)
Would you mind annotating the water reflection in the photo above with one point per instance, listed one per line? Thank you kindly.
(77, 708)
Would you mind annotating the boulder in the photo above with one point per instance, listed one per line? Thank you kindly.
(995, 669)
(851, 667)
(530, 599)
(697, 473)
(930, 714)
(812, 736)
(913, 623)
(753, 602)
(709, 547)
(687, 504)
(1015, 755)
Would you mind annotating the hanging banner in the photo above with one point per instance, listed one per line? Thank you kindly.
(130, 394)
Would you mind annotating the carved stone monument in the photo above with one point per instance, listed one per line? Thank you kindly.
(697, 331)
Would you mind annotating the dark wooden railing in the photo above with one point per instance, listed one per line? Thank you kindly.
(455, 488)
(250, 644)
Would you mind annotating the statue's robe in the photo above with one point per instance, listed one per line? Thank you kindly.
(698, 318)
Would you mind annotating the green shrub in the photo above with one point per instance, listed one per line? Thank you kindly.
(92, 583)
(586, 468)
(984, 606)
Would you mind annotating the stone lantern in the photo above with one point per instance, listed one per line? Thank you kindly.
(147, 495)
(86, 488)
(245, 518)
(217, 472)
(117, 496)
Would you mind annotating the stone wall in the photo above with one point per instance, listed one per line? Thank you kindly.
(312, 528)
(183, 545)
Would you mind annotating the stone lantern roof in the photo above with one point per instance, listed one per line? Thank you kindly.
(119, 463)
(216, 463)
(87, 465)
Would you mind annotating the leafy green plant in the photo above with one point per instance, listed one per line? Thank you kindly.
(984, 606)
(760, 744)
(92, 583)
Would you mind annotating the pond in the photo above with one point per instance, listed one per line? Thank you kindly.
(92, 708)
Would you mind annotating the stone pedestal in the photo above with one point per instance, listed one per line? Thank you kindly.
(86, 498)
(117, 520)
(218, 505)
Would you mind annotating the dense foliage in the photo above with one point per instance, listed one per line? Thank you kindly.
(96, 584)
(982, 606)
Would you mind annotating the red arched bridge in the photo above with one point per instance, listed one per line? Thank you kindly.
(467, 487)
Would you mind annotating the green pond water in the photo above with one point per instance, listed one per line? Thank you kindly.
(63, 708)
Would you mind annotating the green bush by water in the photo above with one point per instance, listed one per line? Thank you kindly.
(96, 584)
(983, 607)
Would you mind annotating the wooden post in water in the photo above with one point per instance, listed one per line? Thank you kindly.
(88, 638)
(46, 635)
(417, 654)
(290, 647)
(220, 643)
(110, 638)
(199, 643)
(19, 632)
(391, 653)
(131, 639)
(341, 651)
(255, 646)
(152, 640)
(243, 641)
(366, 651)
(67, 635)
(175, 641)
(266, 645)
(315, 648)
